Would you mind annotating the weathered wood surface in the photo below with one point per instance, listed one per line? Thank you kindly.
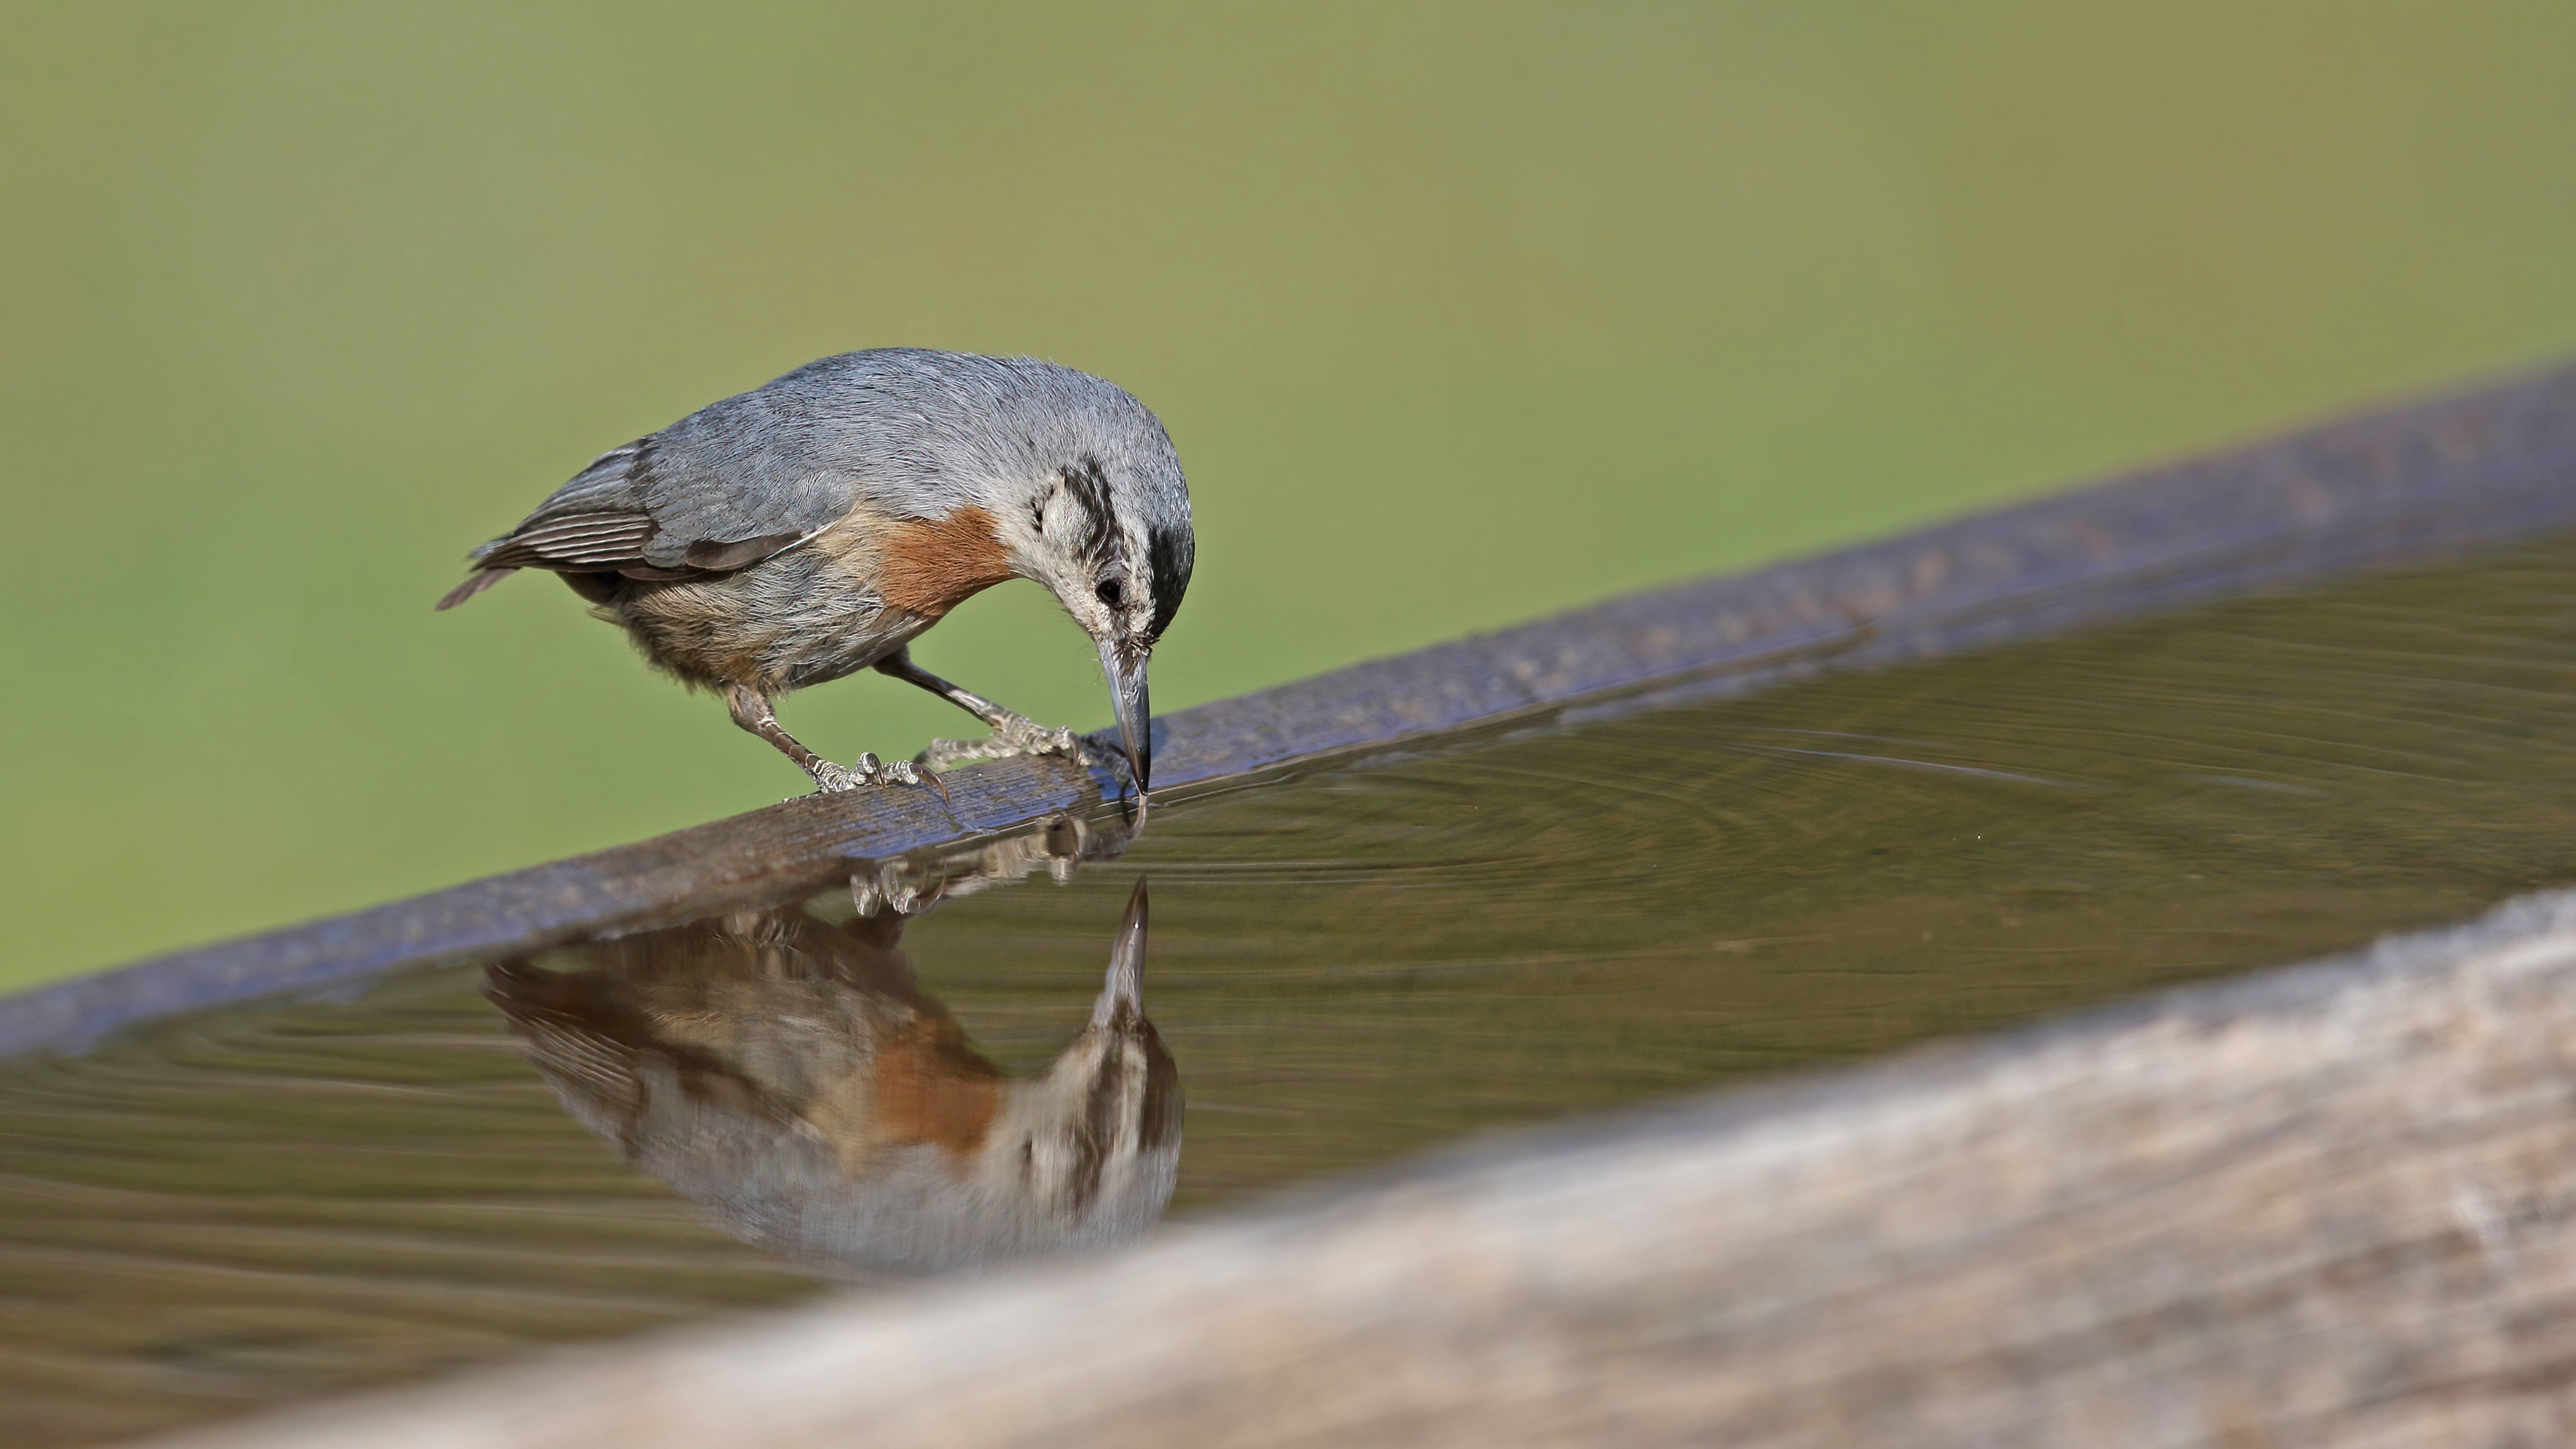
(2407, 484)
(2327, 1205)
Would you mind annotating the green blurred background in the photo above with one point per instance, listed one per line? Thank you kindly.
(1459, 313)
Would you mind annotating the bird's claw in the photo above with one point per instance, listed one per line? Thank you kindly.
(830, 778)
(1010, 739)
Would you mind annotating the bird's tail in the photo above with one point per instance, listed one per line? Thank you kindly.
(475, 583)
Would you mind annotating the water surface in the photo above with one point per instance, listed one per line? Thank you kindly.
(1346, 966)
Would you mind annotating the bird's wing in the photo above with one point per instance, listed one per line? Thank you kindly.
(692, 499)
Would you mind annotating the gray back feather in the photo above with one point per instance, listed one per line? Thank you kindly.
(911, 432)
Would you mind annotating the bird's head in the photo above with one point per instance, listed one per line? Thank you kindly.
(1106, 527)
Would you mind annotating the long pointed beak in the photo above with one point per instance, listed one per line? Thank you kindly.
(1126, 673)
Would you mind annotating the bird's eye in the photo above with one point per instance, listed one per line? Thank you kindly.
(1112, 595)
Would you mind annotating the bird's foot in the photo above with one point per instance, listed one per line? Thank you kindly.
(1016, 735)
(829, 777)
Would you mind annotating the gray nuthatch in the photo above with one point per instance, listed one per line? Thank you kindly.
(813, 526)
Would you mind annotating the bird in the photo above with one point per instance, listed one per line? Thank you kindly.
(816, 525)
(785, 1071)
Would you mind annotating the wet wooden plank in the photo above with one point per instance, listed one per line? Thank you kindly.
(2408, 484)
(2334, 1204)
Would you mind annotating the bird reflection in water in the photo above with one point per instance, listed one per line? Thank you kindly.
(787, 1073)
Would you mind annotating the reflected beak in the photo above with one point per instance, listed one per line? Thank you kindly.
(1126, 983)
(1126, 671)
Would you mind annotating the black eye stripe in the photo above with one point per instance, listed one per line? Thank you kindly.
(1089, 486)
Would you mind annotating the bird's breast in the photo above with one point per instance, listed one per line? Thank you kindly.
(923, 566)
